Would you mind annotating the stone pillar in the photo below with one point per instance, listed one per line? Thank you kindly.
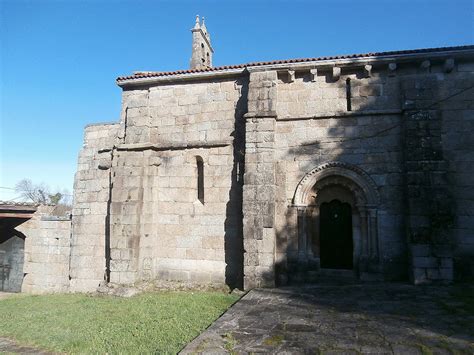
(364, 232)
(428, 197)
(259, 182)
(309, 232)
(302, 235)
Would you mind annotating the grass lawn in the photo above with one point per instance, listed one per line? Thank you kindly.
(153, 322)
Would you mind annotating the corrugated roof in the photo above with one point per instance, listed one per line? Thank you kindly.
(289, 61)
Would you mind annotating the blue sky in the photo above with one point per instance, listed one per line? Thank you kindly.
(59, 59)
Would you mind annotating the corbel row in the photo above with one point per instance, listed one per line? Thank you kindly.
(425, 65)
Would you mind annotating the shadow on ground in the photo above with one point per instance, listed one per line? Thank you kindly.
(362, 318)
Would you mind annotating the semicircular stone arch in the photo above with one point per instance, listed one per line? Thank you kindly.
(348, 184)
(348, 175)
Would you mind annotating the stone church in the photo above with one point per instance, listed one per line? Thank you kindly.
(271, 173)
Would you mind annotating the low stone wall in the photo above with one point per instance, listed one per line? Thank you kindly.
(47, 251)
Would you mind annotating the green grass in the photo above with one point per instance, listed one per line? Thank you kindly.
(74, 323)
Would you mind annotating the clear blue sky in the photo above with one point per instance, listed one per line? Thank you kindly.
(59, 59)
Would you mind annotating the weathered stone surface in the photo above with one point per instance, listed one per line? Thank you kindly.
(46, 253)
(392, 141)
(350, 319)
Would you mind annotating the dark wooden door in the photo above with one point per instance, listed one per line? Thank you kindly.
(336, 235)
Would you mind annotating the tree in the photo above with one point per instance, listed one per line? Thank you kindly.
(40, 193)
(55, 198)
(29, 191)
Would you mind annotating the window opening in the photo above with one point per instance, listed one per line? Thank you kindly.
(200, 178)
(348, 94)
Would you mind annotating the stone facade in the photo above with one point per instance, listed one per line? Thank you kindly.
(388, 135)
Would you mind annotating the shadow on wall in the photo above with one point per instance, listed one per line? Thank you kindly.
(349, 133)
(233, 239)
(390, 147)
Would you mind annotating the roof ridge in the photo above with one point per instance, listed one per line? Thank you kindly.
(148, 74)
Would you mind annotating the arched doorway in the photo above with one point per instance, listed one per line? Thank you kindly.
(337, 206)
(335, 230)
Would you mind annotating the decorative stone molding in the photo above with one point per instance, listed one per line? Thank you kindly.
(365, 202)
(335, 168)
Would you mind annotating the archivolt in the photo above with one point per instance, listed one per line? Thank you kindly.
(336, 169)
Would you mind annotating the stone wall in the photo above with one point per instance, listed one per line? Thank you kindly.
(159, 228)
(380, 132)
(46, 254)
(456, 90)
(91, 206)
(147, 221)
(319, 93)
(138, 216)
(259, 182)
(319, 129)
(178, 113)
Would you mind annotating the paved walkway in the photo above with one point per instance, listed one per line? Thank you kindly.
(352, 319)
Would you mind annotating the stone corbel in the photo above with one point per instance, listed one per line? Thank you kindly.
(368, 70)
(291, 76)
(336, 73)
(314, 74)
(448, 65)
(392, 67)
(425, 65)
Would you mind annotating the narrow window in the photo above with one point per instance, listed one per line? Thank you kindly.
(208, 59)
(348, 94)
(200, 178)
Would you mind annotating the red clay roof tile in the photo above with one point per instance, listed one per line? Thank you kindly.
(298, 60)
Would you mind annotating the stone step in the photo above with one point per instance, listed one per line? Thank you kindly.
(326, 276)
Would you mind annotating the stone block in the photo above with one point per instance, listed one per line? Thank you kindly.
(200, 277)
(424, 262)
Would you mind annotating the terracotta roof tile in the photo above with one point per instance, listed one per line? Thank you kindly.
(14, 203)
(297, 60)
